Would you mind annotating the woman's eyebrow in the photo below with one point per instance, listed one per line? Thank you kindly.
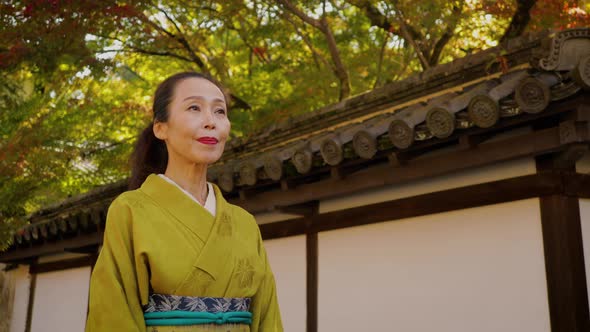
(203, 98)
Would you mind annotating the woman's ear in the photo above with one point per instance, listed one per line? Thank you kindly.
(160, 130)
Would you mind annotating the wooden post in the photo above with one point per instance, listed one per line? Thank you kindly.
(311, 248)
(312, 281)
(564, 263)
(564, 254)
(31, 302)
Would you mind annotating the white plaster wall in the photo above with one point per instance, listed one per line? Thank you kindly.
(61, 301)
(479, 269)
(585, 219)
(514, 168)
(287, 260)
(22, 287)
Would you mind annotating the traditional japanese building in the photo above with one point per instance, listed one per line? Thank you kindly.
(455, 200)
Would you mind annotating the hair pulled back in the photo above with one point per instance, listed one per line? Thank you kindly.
(150, 154)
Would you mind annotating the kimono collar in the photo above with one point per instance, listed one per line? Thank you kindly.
(210, 201)
(182, 207)
(218, 234)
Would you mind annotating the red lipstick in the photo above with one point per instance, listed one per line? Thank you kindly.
(208, 140)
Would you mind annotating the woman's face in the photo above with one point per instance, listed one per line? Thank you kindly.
(197, 126)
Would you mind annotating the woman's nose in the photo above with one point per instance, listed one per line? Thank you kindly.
(208, 120)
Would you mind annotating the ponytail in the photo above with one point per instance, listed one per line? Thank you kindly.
(149, 156)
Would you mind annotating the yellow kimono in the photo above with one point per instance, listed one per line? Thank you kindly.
(158, 240)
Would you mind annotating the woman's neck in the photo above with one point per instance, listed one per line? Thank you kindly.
(192, 178)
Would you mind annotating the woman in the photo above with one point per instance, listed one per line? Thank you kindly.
(176, 256)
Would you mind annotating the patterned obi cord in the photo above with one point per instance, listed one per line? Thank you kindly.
(174, 310)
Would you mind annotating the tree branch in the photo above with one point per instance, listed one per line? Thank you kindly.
(191, 4)
(317, 57)
(169, 18)
(239, 102)
(447, 35)
(91, 151)
(405, 31)
(132, 49)
(520, 19)
(339, 69)
(304, 17)
(185, 45)
(178, 38)
(375, 16)
(378, 19)
(380, 63)
(244, 38)
(406, 35)
(160, 29)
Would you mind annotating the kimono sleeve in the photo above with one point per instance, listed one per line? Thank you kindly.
(120, 277)
(265, 306)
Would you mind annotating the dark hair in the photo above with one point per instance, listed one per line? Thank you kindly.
(150, 154)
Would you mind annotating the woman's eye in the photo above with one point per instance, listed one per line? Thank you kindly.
(220, 111)
(194, 108)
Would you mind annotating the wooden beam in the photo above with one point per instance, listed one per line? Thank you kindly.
(396, 159)
(286, 228)
(340, 172)
(564, 263)
(89, 249)
(303, 209)
(63, 264)
(288, 184)
(526, 145)
(59, 246)
(442, 201)
(569, 157)
(471, 141)
(495, 192)
(577, 185)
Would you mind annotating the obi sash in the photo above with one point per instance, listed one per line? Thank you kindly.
(174, 310)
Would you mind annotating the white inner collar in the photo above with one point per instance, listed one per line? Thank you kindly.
(210, 202)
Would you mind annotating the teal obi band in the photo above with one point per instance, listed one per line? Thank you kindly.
(178, 317)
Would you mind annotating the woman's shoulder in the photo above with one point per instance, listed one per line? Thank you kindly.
(243, 217)
(132, 199)
(237, 212)
(241, 213)
(128, 208)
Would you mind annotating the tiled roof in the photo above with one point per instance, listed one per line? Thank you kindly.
(520, 77)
